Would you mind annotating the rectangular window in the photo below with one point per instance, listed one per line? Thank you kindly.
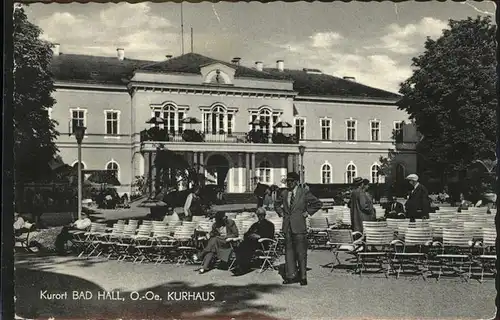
(77, 119)
(300, 128)
(326, 127)
(111, 122)
(351, 130)
(375, 130)
(180, 126)
(265, 175)
(229, 123)
(398, 131)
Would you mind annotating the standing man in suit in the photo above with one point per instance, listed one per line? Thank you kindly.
(295, 204)
(418, 204)
(394, 209)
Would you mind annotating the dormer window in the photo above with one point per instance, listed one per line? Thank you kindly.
(218, 78)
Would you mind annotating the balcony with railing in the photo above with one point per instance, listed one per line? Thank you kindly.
(190, 138)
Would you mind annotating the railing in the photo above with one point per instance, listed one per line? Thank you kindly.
(190, 135)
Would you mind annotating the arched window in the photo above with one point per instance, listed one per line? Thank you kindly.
(264, 172)
(268, 117)
(375, 173)
(112, 165)
(75, 165)
(218, 121)
(326, 173)
(172, 118)
(351, 173)
(400, 173)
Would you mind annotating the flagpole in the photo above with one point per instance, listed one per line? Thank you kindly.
(182, 29)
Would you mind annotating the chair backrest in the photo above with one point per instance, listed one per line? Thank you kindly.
(133, 222)
(418, 235)
(318, 223)
(183, 233)
(457, 237)
(346, 217)
(118, 228)
(489, 237)
(392, 223)
(161, 231)
(121, 221)
(476, 228)
(145, 230)
(205, 226)
(340, 236)
(378, 236)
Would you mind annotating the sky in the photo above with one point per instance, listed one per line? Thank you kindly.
(373, 42)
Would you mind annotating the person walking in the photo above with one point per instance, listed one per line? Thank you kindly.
(418, 204)
(294, 205)
(361, 205)
(192, 206)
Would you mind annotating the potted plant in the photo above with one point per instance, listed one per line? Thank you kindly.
(191, 135)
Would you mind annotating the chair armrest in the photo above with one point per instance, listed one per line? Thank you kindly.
(395, 242)
(429, 243)
(265, 239)
(359, 241)
(437, 244)
(478, 244)
(232, 239)
(357, 233)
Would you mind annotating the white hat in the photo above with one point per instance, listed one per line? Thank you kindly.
(412, 177)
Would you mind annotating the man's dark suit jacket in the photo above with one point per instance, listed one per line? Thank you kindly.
(398, 208)
(293, 218)
(418, 204)
(264, 228)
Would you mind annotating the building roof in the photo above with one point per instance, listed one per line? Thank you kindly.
(111, 70)
(318, 84)
(94, 69)
(193, 62)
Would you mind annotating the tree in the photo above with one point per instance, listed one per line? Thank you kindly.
(451, 96)
(34, 131)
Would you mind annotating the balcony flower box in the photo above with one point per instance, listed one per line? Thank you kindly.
(257, 136)
(191, 135)
(282, 138)
(154, 134)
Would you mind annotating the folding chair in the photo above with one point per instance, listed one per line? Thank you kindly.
(416, 240)
(375, 249)
(317, 234)
(488, 258)
(342, 240)
(456, 253)
(185, 248)
(267, 254)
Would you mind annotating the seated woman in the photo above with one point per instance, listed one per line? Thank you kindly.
(217, 243)
(21, 226)
(245, 251)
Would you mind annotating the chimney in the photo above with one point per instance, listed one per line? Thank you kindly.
(56, 49)
(236, 61)
(169, 56)
(259, 66)
(349, 78)
(280, 65)
(121, 53)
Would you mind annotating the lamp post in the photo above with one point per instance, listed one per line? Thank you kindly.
(302, 149)
(79, 132)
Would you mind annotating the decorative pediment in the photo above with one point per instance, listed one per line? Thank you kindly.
(217, 74)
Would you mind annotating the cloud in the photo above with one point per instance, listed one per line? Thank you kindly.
(131, 26)
(325, 39)
(376, 70)
(407, 39)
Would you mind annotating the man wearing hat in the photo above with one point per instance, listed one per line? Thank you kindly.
(294, 205)
(361, 205)
(418, 204)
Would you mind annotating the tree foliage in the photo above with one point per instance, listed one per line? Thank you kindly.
(451, 95)
(34, 131)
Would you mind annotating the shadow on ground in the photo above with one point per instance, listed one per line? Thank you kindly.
(218, 302)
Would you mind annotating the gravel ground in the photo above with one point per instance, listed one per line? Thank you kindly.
(335, 295)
